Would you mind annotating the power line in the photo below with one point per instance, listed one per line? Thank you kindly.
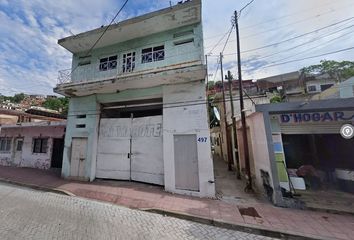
(297, 13)
(311, 49)
(305, 43)
(319, 55)
(274, 19)
(298, 36)
(292, 38)
(105, 30)
(286, 40)
(228, 32)
(249, 3)
(287, 25)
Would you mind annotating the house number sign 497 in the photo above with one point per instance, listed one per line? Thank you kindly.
(202, 139)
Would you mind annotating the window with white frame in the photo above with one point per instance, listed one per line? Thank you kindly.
(5, 144)
(40, 145)
(108, 63)
(153, 54)
(128, 62)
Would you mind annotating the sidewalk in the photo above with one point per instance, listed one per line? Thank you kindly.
(261, 217)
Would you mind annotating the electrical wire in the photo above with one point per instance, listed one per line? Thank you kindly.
(240, 12)
(315, 56)
(315, 47)
(298, 36)
(219, 42)
(105, 30)
(297, 13)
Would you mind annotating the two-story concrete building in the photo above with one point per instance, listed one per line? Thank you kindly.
(138, 103)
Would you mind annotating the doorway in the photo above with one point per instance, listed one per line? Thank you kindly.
(57, 155)
(17, 154)
(186, 162)
(131, 149)
(78, 157)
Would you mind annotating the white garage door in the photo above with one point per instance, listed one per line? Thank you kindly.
(131, 149)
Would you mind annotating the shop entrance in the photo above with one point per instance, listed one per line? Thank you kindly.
(130, 143)
(325, 163)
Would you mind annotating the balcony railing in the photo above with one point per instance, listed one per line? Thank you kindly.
(64, 76)
(149, 62)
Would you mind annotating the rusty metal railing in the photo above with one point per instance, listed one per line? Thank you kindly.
(64, 76)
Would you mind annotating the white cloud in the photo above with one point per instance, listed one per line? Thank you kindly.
(30, 56)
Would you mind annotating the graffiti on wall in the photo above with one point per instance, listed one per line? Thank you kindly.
(143, 130)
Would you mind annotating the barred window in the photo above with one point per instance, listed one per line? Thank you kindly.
(153, 54)
(5, 144)
(40, 145)
(108, 63)
(128, 62)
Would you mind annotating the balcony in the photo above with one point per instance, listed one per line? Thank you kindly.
(115, 81)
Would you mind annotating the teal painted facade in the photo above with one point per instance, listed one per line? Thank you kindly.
(174, 54)
(179, 77)
(89, 106)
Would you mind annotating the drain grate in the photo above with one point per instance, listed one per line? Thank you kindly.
(250, 211)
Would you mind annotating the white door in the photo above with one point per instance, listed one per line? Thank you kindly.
(146, 158)
(18, 151)
(113, 150)
(78, 157)
(131, 149)
(186, 162)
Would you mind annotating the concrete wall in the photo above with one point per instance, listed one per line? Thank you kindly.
(346, 88)
(185, 112)
(30, 159)
(181, 115)
(258, 147)
(89, 107)
(8, 119)
(248, 104)
(174, 55)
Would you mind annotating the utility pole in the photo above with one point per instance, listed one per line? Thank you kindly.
(248, 187)
(229, 160)
(229, 78)
(207, 77)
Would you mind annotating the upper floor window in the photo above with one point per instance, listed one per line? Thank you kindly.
(108, 63)
(153, 54)
(128, 62)
(5, 144)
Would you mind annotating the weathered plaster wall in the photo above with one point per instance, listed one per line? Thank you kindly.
(173, 54)
(186, 116)
(30, 159)
(90, 107)
(258, 147)
(8, 119)
(78, 107)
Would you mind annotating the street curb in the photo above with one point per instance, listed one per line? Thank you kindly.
(36, 187)
(324, 210)
(258, 230)
(238, 227)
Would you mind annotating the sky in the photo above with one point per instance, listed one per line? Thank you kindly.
(273, 33)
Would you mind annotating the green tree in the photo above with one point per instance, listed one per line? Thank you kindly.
(18, 97)
(337, 70)
(59, 104)
(211, 85)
